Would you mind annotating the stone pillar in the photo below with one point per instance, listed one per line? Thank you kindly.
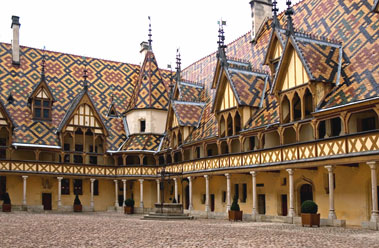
(374, 192)
(158, 191)
(92, 202)
(141, 193)
(332, 214)
(115, 193)
(190, 207)
(176, 190)
(59, 191)
(124, 191)
(254, 185)
(227, 192)
(24, 190)
(291, 212)
(207, 208)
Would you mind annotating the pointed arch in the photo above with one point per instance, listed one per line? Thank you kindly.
(296, 107)
(222, 126)
(285, 106)
(237, 123)
(229, 125)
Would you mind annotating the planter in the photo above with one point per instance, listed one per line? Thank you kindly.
(235, 215)
(7, 207)
(128, 210)
(77, 208)
(310, 220)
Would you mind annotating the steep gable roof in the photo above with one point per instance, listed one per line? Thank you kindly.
(150, 91)
(188, 113)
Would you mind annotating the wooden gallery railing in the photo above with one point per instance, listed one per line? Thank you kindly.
(337, 147)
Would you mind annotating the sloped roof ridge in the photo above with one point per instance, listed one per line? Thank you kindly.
(191, 82)
(310, 36)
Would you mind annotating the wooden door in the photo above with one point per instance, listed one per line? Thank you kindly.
(46, 201)
(284, 205)
(261, 204)
(212, 202)
(187, 197)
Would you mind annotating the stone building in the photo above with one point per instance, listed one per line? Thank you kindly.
(285, 113)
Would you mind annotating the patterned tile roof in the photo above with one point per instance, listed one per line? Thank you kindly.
(190, 92)
(187, 113)
(248, 85)
(142, 142)
(150, 92)
(63, 74)
(269, 114)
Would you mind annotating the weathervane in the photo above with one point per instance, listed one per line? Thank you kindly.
(289, 13)
(178, 60)
(150, 35)
(221, 36)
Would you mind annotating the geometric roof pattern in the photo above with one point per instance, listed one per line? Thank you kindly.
(187, 113)
(150, 91)
(142, 142)
(190, 92)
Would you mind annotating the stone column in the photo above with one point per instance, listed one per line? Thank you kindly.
(158, 191)
(124, 191)
(115, 193)
(227, 192)
(59, 191)
(374, 192)
(24, 190)
(254, 185)
(141, 193)
(190, 207)
(92, 202)
(291, 212)
(176, 190)
(332, 214)
(207, 208)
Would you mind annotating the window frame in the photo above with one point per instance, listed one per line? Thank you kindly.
(42, 108)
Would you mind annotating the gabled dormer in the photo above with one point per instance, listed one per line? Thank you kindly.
(112, 111)
(274, 50)
(41, 99)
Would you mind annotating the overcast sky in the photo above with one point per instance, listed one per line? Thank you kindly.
(114, 29)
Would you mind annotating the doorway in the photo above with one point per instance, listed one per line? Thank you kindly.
(212, 202)
(46, 201)
(187, 197)
(261, 204)
(121, 200)
(306, 193)
(284, 205)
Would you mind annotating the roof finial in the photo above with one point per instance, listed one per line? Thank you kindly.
(150, 35)
(289, 13)
(178, 60)
(275, 23)
(85, 76)
(43, 64)
(221, 40)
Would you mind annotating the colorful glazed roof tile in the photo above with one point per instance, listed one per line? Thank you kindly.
(188, 113)
(190, 92)
(150, 91)
(269, 114)
(142, 142)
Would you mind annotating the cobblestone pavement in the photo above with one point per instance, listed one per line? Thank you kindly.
(21, 229)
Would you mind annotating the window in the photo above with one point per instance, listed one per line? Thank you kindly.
(96, 187)
(142, 126)
(336, 126)
(79, 148)
(3, 142)
(78, 159)
(78, 189)
(93, 159)
(209, 152)
(368, 124)
(252, 143)
(244, 192)
(223, 196)
(65, 186)
(198, 152)
(66, 147)
(236, 190)
(3, 186)
(42, 109)
(3, 154)
(66, 158)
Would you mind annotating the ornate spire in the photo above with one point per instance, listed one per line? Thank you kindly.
(43, 65)
(221, 40)
(289, 13)
(85, 76)
(275, 23)
(150, 35)
(178, 61)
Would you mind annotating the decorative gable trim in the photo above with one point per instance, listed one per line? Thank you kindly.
(5, 117)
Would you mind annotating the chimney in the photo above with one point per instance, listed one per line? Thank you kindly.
(144, 49)
(16, 40)
(260, 9)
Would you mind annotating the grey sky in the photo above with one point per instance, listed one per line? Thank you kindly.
(113, 29)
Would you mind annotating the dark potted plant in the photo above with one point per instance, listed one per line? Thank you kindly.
(77, 204)
(7, 207)
(309, 215)
(129, 206)
(234, 212)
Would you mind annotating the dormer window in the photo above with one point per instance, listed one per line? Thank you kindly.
(42, 109)
(142, 126)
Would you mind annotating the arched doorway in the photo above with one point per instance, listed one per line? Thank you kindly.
(306, 193)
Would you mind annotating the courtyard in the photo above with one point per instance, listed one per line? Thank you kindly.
(22, 229)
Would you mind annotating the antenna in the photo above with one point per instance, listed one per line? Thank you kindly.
(150, 35)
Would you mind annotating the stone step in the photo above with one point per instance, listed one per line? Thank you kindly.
(166, 217)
